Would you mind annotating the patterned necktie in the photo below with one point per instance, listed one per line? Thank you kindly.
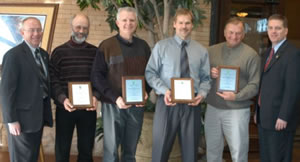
(184, 62)
(43, 75)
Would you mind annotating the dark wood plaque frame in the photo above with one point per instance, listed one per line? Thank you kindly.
(173, 91)
(70, 84)
(237, 80)
(124, 78)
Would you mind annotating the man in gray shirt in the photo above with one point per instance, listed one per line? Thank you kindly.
(171, 118)
(228, 113)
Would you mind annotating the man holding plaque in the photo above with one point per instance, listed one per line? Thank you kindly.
(72, 62)
(118, 56)
(277, 109)
(228, 111)
(25, 93)
(178, 57)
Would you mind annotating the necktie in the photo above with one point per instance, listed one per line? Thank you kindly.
(269, 59)
(184, 62)
(43, 77)
(265, 68)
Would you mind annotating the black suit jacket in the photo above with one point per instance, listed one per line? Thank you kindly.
(20, 91)
(280, 88)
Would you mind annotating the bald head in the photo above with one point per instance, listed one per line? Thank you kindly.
(80, 25)
(80, 17)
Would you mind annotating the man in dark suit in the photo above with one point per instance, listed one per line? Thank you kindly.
(277, 106)
(25, 93)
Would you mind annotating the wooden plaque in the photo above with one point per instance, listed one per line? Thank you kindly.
(80, 94)
(133, 90)
(228, 79)
(182, 90)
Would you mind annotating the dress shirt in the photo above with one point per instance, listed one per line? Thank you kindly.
(164, 64)
(276, 47)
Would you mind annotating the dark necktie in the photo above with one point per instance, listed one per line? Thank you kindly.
(43, 77)
(265, 68)
(184, 62)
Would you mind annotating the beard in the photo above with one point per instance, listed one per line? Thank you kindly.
(77, 39)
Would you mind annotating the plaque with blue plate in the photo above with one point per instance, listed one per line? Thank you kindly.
(133, 90)
(228, 79)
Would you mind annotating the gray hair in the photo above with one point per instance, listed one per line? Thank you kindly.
(21, 25)
(128, 9)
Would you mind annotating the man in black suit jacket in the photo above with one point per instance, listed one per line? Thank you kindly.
(25, 93)
(277, 105)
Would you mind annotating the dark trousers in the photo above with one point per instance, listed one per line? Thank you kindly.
(25, 147)
(168, 121)
(275, 146)
(85, 122)
(121, 127)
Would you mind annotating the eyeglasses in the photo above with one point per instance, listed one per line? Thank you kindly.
(85, 28)
(33, 30)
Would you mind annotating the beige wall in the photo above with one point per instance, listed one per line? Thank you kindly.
(99, 31)
(99, 28)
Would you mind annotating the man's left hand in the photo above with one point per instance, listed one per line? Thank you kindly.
(197, 100)
(280, 124)
(95, 105)
(229, 96)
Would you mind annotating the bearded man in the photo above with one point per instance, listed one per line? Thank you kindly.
(72, 61)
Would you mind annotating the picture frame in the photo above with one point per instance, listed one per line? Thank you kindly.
(228, 79)
(182, 90)
(80, 94)
(133, 90)
(11, 14)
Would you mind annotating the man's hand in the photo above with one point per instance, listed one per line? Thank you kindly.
(121, 104)
(14, 128)
(280, 124)
(168, 99)
(95, 105)
(214, 72)
(197, 100)
(146, 97)
(229, 96)
(68, 106)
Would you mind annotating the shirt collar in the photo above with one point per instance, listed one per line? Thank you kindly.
(30, 47)
(276, 47)
(124, 41)
(179, 40)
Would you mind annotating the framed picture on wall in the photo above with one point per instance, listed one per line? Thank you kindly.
(11, 14)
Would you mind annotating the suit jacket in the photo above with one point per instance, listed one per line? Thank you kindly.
(280, 88)
(20, 91)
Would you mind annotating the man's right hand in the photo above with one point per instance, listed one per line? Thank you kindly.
(121, 104)
(214, 72)
(68, 105)
(168, 99)
(14, 128)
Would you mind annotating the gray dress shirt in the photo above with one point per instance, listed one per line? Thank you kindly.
(164, 63)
